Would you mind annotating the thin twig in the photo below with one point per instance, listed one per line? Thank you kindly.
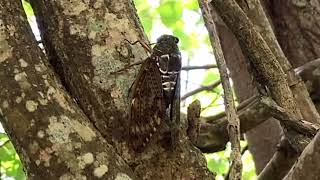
(308, 67)
(209, 66)
(202, 88)
(243, 106)
(5, 143)
(233, 120)
(226, 177)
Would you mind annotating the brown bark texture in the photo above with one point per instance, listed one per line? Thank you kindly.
(305, 105)
(299, 90)
(262, 138)
(51, 134)
(307, 167)
(230, 110)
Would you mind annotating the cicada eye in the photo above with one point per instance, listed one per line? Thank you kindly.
(176, 40)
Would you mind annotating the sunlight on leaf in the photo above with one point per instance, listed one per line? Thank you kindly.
(27, 8)
(170, 12)
(10, 165)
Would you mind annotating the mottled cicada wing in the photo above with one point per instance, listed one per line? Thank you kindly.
(147, 105)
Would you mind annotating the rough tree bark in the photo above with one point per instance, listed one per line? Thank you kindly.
(307, 108)
(75, 127)
(70, 128)
(51, 134)
(230, 110)
(262, 137)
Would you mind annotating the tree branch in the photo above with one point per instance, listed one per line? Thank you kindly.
(233, 120)
(209, 87)
(280, 163)
(257, 15)
(252, 112)
(307, 167)
(214, 135)
(188, 68)
(265, 64)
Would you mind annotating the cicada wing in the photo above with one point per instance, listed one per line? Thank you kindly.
(147, 105)
(175, 111)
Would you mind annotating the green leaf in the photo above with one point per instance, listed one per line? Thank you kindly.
(211, 76)
(219, 166)
(10, 162)
(185, 41)
(192, 5)
(170, 12)
(27, 8)
(3, 138)
(146, 19)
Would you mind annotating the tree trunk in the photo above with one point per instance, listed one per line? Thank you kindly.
(52, 135)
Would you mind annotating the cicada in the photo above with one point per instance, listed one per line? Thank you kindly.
(154, 91)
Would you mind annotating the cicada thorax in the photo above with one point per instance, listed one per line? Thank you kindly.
(153, 91)
(169, 67)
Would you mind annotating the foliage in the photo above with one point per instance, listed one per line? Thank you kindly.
(10, 164)
(219, 163)
(27, 8)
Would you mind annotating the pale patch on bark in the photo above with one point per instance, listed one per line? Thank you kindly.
(73, 7)
(18, 99)
(11, 30)
(86, 133)
(98, 4)
(40, 134)
(43, 101)
(31, 105)
(40, 67)
(23, 63)
(100, 171)
(300, 3)
(22, 80)
(116, 94)
(77, 29)
(117, 27)
(5, 49)
(45, 156)
(58, 96)
(68, 176)
(101, 157)
(85, 160)
(15, 70)
(60, 129)
(5, 104)
(33, 147)
(86, 77)
(122, 176)
(105, 55)
(96, 27)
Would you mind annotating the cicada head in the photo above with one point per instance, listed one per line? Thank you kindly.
(167, 53)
